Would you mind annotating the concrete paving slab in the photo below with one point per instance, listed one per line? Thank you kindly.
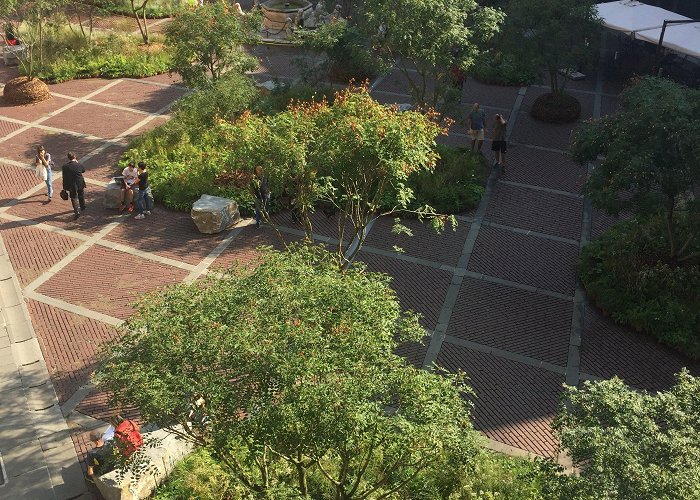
(4, 341)
(27, 352)
(34, 375)
(22, 458)
(9, 295)
(16, 431)
(66, 474)
(41, 397)
(34, 485)
(14, 402)
(16, 314)
(20, 332)
(48, 421)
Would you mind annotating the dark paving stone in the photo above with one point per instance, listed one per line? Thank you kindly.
(513, 403)
(513, 320)
(525, 259)
(609, 349)
(544, 168)
(534, 210)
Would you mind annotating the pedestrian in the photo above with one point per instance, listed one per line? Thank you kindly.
(499, 146)
(129, 177)
(101, 457)
(74, 183)
(261, 190)
(43, 160)
(144, 202)
(477, 123)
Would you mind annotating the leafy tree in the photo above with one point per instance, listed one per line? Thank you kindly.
(558, 33)
(344, 156)
(650, 150)
(208, 42)
(299, 384)
(424, 38)
(632, 445)
(139, 12)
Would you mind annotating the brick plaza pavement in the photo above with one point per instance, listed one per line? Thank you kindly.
(499, 296)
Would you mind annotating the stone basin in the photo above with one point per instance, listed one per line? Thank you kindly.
(276, 12)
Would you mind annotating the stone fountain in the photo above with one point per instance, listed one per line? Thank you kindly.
(276, 12)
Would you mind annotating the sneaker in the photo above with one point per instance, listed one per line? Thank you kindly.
(140, 216)
(131, 208)
(147, 212)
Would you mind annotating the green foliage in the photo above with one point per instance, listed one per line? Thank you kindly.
(187, 154)
(552, 33)
(282, 96)
(113, 56)
(628, 274)
(154, 8)
(208, 42)
(345, 155)
(500, 68)
(431, 36)
(630, 444)
(455, 185)
(295, 362)
(349, 51)
(650, 151)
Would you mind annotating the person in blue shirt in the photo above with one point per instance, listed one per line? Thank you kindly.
(477, 124)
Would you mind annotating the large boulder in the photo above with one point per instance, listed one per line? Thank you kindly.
(161, 460)
(213, 214)
(113, 193)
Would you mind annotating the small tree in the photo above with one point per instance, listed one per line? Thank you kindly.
(139, 12)
(424, 38)
(300, 390)
(650, 150)
(346, 156)
(208, 42)
(630, 444)
(558, 33)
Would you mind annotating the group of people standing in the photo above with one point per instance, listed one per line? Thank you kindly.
(133, 180)
(476, 121)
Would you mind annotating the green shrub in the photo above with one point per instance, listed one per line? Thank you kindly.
(280, 97)
(626, 272)
(110, 57)
(187, 154)
(498, 68)
(154, 8)
(456, 184)
(197, 477)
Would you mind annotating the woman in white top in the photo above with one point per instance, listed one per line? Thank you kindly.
(44, 158)
(129, 177)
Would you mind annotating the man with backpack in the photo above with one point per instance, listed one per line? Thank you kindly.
(122, 437)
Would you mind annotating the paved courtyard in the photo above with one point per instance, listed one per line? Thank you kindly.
(499, 296)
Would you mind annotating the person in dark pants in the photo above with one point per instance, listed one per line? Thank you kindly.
(74, 183)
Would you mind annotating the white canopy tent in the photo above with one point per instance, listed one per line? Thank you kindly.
(683, 38)
(630, 16)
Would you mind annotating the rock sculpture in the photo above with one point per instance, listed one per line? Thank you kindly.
(213, 214)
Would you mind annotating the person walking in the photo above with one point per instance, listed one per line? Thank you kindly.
(144, 202)
(44, 159)
(129, 177)
(499, 146)
(74, 183)
(477, 123)
(261, 190)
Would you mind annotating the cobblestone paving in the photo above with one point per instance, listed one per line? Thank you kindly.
(498, 295)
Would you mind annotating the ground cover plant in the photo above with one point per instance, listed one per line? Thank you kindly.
(496, 67)
(111, 56)
(645, 272)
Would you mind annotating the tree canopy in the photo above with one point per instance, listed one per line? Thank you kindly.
(346, 156)
(649, 151)
(208, 42)
(300, 387)
(631, 444)
(561, 34)
(426, 37)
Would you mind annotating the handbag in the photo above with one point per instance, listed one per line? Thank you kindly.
(63, 194)
(40, 171)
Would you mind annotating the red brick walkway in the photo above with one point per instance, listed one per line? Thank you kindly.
(497, 295)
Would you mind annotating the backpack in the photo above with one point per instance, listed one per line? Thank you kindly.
(127, 437)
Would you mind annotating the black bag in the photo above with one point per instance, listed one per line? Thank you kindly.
(63, 194)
